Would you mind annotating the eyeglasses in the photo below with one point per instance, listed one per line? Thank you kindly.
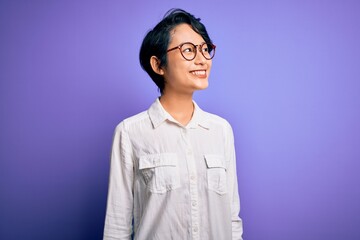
(188, 50)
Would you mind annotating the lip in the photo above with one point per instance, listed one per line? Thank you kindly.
(200, 73)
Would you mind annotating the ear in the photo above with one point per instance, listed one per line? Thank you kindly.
(155, 65)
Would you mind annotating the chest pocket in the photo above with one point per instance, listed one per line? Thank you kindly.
(160, 172)
(216, 173)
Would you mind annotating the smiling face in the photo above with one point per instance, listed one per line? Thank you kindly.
(183, 76)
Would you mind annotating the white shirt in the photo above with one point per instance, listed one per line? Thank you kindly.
(169, 181)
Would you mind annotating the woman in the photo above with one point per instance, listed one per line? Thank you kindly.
(173, 168)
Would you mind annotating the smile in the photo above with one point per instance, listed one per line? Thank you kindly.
(199, 73)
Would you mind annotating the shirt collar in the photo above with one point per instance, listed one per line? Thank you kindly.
(158, 115)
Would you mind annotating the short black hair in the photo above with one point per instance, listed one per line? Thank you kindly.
(157, 40)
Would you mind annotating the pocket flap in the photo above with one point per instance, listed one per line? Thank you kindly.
(158, 160)
(214, 161)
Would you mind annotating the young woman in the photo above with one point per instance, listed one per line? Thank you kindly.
(173, 167)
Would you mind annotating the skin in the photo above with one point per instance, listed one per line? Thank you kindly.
(182, 77)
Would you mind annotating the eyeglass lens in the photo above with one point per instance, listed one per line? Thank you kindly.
(188, 50)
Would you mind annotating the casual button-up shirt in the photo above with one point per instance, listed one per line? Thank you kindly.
(169, 181)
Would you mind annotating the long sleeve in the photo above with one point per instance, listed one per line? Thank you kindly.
(119, 212)
(237, 227)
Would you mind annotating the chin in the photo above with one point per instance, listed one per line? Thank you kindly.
(202, 86)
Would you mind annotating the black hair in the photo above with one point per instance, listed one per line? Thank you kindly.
(157, 40)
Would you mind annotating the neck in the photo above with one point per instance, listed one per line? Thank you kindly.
(180, 107)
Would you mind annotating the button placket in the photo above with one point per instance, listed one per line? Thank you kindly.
(192, 184)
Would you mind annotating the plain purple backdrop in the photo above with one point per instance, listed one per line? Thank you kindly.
(286, 75)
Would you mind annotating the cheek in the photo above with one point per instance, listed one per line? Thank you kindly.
(176, 64)
(210, 65)
(181, 68)
(209, 68)
(176, 71)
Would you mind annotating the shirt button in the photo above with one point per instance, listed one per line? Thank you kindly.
(195, 229)
(193, 204)
(192, 177)
(188, 151)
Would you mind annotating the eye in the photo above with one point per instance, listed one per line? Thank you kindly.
(188, 50)
(206, 48)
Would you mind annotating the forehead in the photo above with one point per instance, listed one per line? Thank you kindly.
(184, 33)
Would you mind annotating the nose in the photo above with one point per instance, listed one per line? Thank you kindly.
(199, 58)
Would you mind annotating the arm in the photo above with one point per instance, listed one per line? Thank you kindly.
(119, 212)
(237, 227)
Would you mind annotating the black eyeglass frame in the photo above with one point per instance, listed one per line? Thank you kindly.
(197, 49)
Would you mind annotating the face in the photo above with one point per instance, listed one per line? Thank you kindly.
(183, 76)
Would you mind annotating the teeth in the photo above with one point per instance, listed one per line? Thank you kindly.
(202, 72)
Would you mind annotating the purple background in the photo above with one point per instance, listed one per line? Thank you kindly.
(286, 75)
